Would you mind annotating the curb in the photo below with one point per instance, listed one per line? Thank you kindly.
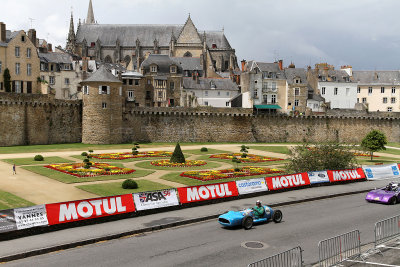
(46, 250)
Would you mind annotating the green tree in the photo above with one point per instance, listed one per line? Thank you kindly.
(244, 151)
(374, 141)
(177, 156)
(7, 80)
(317, 157)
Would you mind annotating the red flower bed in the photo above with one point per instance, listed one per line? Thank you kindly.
(250, 158)
(129, 155)
(97, 169)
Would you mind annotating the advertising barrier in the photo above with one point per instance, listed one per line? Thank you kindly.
(30, 217)
(346, 175)
(89, 208)
(155, 199)
(7, 221)
(318, 177)
(251, 186)
(207, 192)
(380, 172)
(287, 181)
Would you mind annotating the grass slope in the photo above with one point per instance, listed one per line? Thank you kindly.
(275, 149)
(31, 161)
(9, 201)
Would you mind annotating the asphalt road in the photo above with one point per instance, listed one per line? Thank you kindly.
(208, 244)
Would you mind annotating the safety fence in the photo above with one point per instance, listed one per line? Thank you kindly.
(339, 248)
(387, 229)
(289, 258)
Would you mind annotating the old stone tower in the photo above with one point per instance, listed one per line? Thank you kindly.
(102, 108)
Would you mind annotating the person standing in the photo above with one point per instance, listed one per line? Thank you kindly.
(14, 170)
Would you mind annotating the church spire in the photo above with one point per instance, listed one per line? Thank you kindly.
(71, 36)
(90, 14)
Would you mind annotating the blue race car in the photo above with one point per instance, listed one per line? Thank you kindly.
(246, 218)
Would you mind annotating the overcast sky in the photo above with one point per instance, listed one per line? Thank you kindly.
(361, 33)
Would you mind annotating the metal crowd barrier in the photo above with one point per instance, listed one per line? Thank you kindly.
(289, 258)
(337, 249)
(387, 230)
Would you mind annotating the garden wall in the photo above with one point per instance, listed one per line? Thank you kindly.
(38, 119)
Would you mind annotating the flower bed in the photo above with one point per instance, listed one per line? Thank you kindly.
(357, 154)
(129, 155)
(228, 173)
(97, 169)
(249, 158)
(167, 163)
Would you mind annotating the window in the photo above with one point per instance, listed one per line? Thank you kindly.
(52, 79)
(323, 78)
(92, 44)
(160, 83)
(264, 86)
(364, 100)
(173, 69)
(389, 109)
(296, 103)
(148, 81)
(148, 95)
(104, 105)
(51, 67)
(104, 90)
(85, 90)
(273, 85)
(0, 66)
(255, 94)
(297, 80)
(120, 90)
(66, 81)
(393, 90)
(17, 68)
(382, 90)
(265, 97)
(347, 91)
(160, 94)
(273, 99)
(214, 46)
(358, 100)
(28, 69)
(1, 86)
(130, 82)
(227, 104)
(172, 85)
(42, 78)
(255, 81)
(393, 100)
(28, 53)
(23, 38)
(358, 90)
(335, 91)
(153, 68)
(206, 93)
(296, 91)
(67, 67)
(206, 103)
(42, 66)
(136, 82)
(124, 81)
(227, 93)
(323, 90)
(17, 51)
(369, 90)
(18, 86)
(384, 100)
(130, 95)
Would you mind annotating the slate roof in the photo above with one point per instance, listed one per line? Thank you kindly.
(127, 34)
(3, 44)
(317, 97)
(132, 74)
(56, 57)
(162, 61)
(188, 63)
(390, 77)
(205, 84)
(339, 74)
(292, 73)
(269, 68)
(11, 35)
(102, 75)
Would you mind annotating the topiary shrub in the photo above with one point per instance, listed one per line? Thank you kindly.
(86, 160)
(38, 158)
(129, 184)
(90, 150)
(237, 170)
(84, 154)
(177, 156)
(204, 149)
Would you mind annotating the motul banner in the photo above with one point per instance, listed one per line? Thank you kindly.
(30, 217)
(318, 177)
(157, 199)
(346, 175)
(251, 186)
(380, 172)
(89, 208)
(7, 221)
(287, 181)
(207, 192)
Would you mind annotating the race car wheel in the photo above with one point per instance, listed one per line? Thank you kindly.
(277, 217)
(247, 222)
(393, 201)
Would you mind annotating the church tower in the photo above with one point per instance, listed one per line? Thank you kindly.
(71, 40)
(90, 14)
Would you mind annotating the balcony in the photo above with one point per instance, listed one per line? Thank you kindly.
(269, 89)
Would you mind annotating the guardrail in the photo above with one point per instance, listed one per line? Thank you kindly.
(290, 258)
(387, 229)
(337, 249)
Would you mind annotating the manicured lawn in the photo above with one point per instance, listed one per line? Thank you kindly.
(69, 179)
(9, 201)
(175, 177)
(394, 144)
(275, 149)
(209, 152)
(31, 161)
(390, 151)
(112, 189)
(266, 163)
(383, 160)
(79, 157)
(147, 165)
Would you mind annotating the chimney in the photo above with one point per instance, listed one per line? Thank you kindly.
(32, 36)
(3, 32)
(50, 47)
(85, 64)
(243, 65)
(280, 62)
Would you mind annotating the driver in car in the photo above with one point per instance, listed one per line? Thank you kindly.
(258, 210)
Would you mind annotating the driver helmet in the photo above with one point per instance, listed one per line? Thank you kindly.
(258, 202)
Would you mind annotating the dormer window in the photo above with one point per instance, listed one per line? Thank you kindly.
(323, 78)
(346, 79)
(172, 69)
(297, 80)
(273, 75)
(214, 46)
(92, 44)
(153, 68)
(212, 85)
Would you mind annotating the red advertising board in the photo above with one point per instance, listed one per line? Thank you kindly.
(346, 175)
(89, 208)
(287, 181)
(207, 192)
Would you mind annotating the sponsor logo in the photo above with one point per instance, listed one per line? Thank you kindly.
(87, 209)
(250, 184)
(345, 175)
(207, 192)
(30, 216)
(322, 175)
(154, 196)
(288, 181)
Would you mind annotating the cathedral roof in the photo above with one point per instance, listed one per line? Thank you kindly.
(127, 34)
(102, 75)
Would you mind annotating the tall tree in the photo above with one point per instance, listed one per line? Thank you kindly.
(7, 80)
(374, 141)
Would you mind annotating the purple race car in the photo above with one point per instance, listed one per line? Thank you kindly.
(389, 194)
